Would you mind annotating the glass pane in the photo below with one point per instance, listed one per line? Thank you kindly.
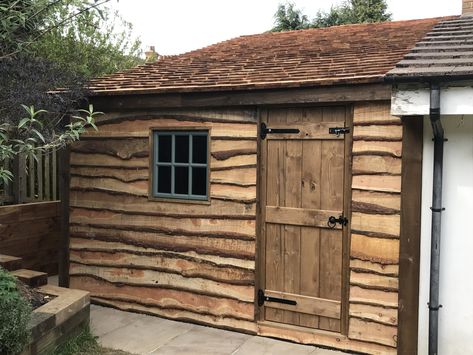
(182, 149)
(164, 179)
(199, 149)
(199, 181)
(181, 180)
(164, 149)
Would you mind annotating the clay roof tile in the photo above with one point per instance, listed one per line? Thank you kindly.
(346, 54)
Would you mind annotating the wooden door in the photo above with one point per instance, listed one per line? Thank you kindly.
(302, 186)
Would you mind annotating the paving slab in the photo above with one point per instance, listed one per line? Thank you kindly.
(53, 280)
(106, 320)
(320, 351)
(142, 334)
(267, 346)
(204, 341)
(132, 332)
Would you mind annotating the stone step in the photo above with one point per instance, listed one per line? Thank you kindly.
(10, 263)
(31, 278)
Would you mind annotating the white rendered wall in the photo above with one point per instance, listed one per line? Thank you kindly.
(456, 271)
(409, 100)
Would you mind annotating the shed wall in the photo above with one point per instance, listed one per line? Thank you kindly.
(183, 261)
(197, 262)
(375, 224)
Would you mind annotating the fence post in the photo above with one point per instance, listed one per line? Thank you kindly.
(19, 180)
(64, 179)
(31, 177)
(7, 195)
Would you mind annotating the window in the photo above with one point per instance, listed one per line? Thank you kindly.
(180, 164)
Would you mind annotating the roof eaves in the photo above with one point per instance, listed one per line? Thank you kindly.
(368, 79)
(423, 77)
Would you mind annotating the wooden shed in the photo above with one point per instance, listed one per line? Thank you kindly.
(260, 185)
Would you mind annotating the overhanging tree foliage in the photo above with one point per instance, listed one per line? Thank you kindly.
(48, 49)
(92, 43)
(351, 11)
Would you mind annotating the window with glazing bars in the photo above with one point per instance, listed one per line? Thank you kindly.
(180, 164)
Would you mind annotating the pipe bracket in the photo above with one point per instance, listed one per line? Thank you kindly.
(434, 308)
(437, 209)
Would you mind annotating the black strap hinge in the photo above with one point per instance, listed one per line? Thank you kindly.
(263, 298)
(265, 130)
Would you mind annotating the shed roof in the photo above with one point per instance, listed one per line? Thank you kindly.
(445, 52)
(348, 54)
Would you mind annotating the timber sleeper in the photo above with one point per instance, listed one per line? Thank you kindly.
(10, 263)
(31, 278)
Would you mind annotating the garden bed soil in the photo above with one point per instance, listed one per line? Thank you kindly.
(35, 298)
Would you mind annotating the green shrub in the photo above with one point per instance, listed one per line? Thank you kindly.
(15, 313)
(83, 343)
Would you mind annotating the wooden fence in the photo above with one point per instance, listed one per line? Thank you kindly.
(34, 179)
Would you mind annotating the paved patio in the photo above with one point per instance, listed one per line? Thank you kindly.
(143, 334)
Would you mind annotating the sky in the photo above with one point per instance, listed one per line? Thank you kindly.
(178, 26)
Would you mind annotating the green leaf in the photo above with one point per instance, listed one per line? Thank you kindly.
(27, 109)
(39, 135)
(23, 122)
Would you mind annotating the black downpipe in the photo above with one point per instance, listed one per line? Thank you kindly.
(437, 209)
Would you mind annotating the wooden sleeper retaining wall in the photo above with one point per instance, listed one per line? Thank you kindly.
(31, 231)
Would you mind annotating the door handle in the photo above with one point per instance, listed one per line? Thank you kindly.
(332, 221)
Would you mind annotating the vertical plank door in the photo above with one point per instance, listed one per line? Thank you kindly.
(302, 187)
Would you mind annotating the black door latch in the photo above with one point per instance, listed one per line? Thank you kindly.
(332, 221)
(265, 130)
(262, 298)
(339, 130)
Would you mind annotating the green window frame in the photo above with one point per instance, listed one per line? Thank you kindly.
(180, 164)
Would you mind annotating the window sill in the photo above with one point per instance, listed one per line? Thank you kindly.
(178, 200)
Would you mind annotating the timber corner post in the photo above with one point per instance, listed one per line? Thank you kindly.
(409, 255)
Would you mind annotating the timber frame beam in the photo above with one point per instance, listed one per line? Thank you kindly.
(330, 94)
(409, 260)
